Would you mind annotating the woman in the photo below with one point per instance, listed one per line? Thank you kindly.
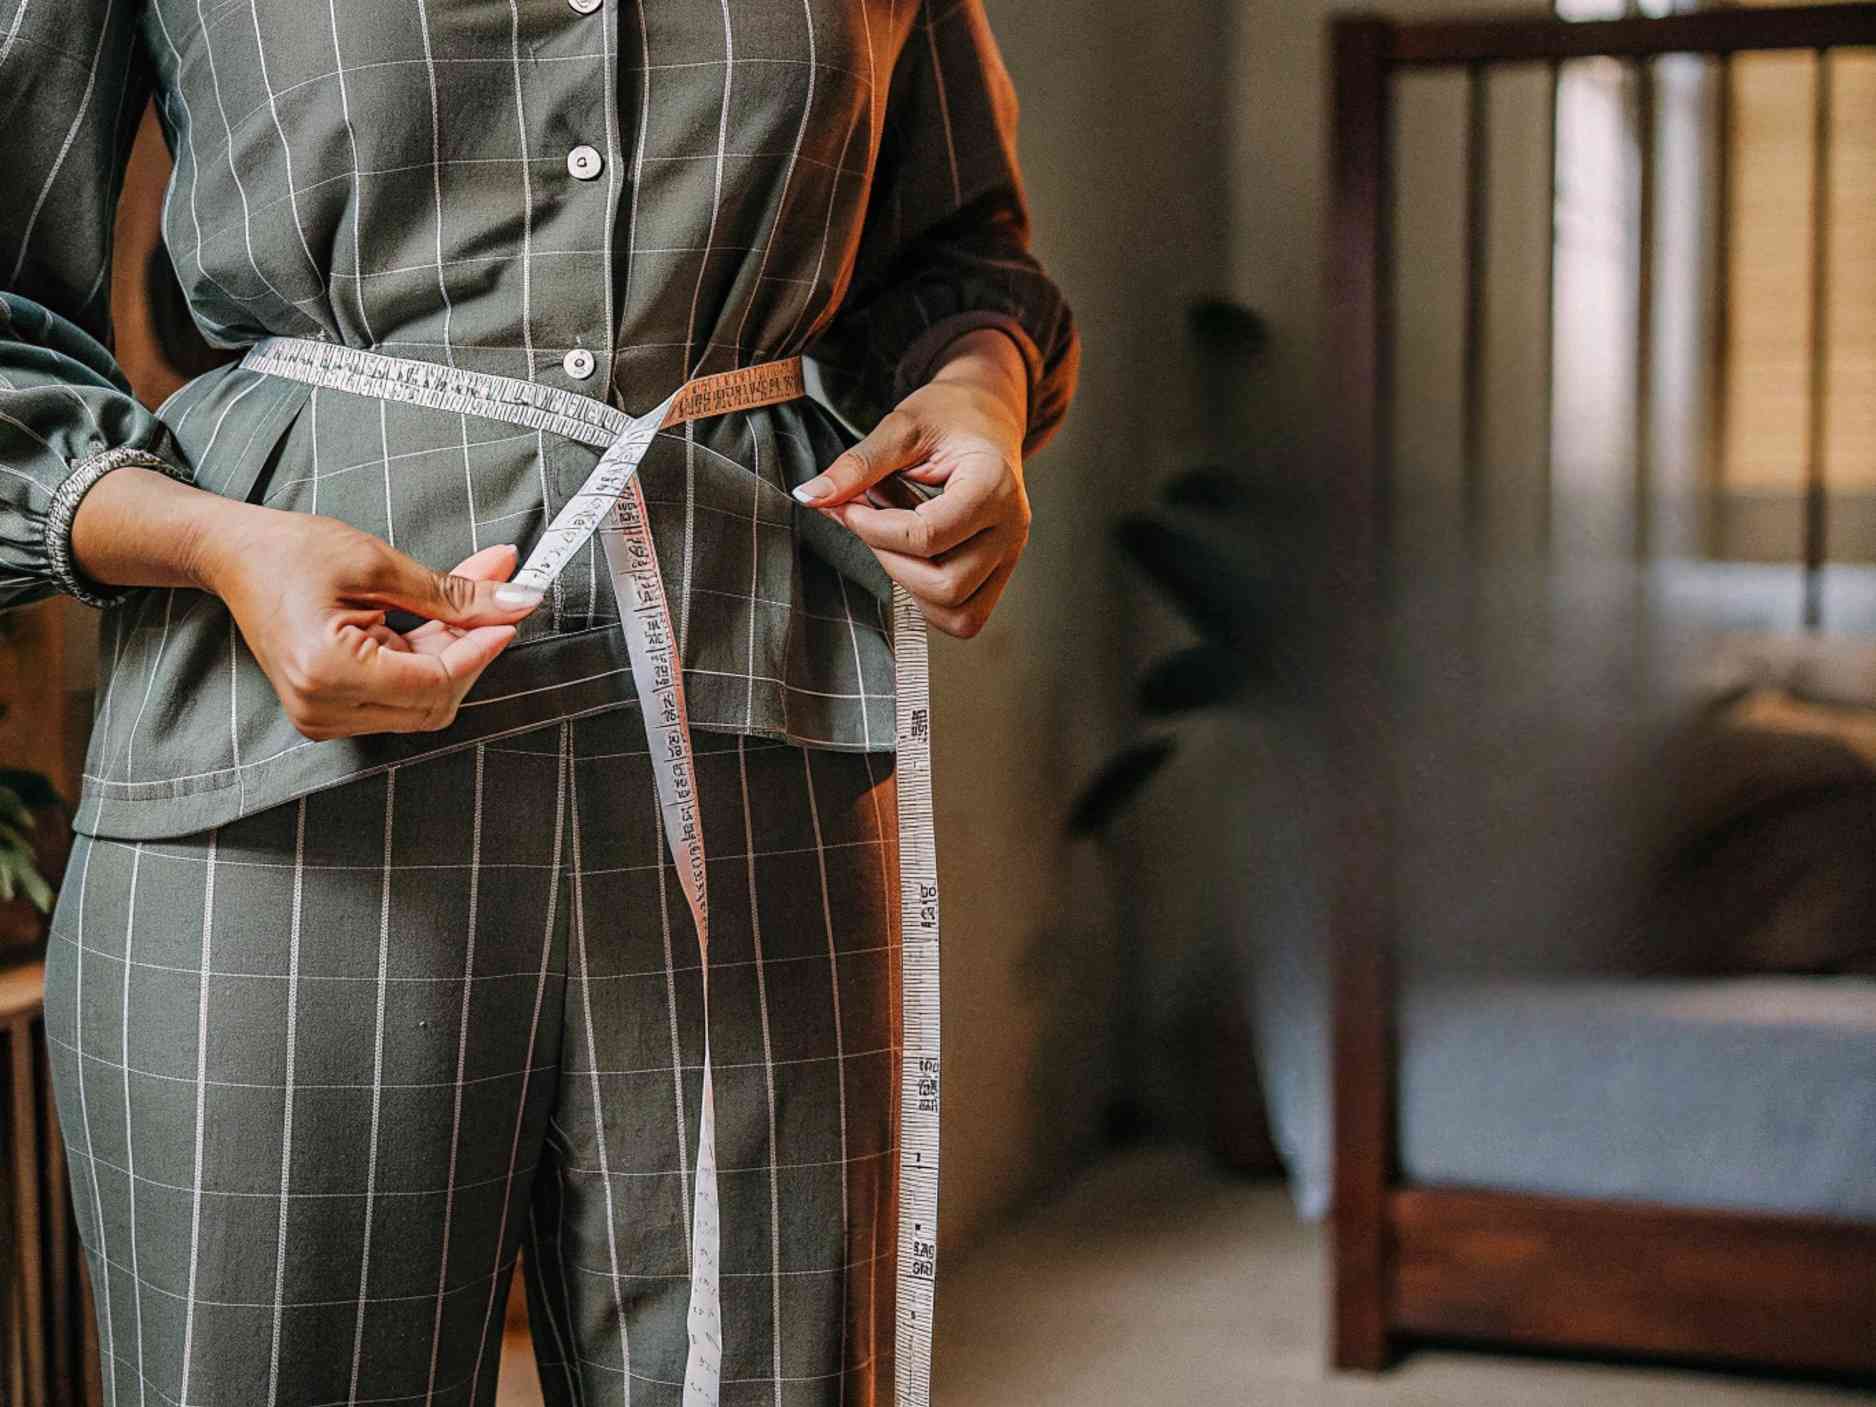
(370, 969)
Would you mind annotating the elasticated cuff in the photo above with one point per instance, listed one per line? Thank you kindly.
(65, 500)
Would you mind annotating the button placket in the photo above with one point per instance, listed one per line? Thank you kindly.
(587, 163)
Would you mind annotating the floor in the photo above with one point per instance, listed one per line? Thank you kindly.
(1156, 1280)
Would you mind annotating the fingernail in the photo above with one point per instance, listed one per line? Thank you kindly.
(815, 490)
(518, 598)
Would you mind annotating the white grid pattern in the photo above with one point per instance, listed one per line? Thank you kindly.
(346, 175)
(536, 1081)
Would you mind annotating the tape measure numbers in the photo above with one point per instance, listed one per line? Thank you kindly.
(611, 504)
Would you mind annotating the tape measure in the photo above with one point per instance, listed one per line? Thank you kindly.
(611, 503)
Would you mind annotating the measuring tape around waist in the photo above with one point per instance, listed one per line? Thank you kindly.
(612, 504)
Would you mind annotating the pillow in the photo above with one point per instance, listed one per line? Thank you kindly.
(1767, 862)
(1829, 669)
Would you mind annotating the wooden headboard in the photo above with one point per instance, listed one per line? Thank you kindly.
(1414, 1262)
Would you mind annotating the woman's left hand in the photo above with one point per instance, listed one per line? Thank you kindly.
(961, 432)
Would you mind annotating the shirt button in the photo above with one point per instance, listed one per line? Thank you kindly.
(583, 162)
(578, 363)
(584, 7)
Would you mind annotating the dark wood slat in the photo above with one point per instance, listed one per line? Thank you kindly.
(1472, 389)
(12, 1319)
(1359, 382)
(1816, 502)
(1546, 470)
(28, 1193)
(60, 1243)
(1536, 38)
(1645, 221)
(1788, 1292)
(90, 1388)
(1720, 356)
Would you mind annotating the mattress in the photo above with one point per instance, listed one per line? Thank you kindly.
(1747, 1093)
(1517, 817)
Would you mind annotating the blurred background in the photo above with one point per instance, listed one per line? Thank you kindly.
(1409, 834)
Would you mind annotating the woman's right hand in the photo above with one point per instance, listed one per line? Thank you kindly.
(311, 596)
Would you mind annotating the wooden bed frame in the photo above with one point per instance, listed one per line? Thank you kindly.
(1414, 1263)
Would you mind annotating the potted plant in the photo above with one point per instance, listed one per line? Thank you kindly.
(35, 839)
(1234, 548)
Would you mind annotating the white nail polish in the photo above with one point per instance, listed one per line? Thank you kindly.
(515, 598)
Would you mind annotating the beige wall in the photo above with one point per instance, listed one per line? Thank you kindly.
(1122, 143)
(1172, 151)
(1210, 876)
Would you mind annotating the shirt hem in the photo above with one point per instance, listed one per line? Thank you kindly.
(593, 677)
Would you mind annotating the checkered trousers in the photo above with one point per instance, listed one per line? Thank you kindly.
(325, 1072)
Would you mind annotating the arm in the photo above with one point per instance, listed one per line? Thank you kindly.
(72, 88)
(955, 326)
(311, 596)
(92, 500)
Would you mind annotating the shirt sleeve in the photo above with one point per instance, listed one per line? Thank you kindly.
(73, 84)
(945, 246)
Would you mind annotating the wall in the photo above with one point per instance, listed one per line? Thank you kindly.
(1223, 843)
(1123, 150)
(1171, 152)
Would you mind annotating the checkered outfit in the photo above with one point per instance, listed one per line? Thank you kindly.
(325, 1072)
(341, 1027)
(671, 188)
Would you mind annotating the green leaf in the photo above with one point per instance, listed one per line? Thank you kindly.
(15, 811)
(37, 890)
(1116, 784)
(1211, 488)
(19, 869)
(1221, 324)
(33, 788)
(1225, 597)
(1204, 676)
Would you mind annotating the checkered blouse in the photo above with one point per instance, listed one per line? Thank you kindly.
(597, 194)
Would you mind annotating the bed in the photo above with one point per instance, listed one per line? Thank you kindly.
(1524, 1147)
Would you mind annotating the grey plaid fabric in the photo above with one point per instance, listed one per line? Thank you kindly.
(676, 188)
(325, 1072)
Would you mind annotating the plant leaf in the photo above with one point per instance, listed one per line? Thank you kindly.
(1226, 325)
(37, 890)
(1211, 488)
(19, 869)
(1116, 784)
(13, 810)
(1224, 598)
(1203, 676)
(31, 787)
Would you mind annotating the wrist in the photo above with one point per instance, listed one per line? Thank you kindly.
(139, 527)
(988, 360)
(211, 540)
